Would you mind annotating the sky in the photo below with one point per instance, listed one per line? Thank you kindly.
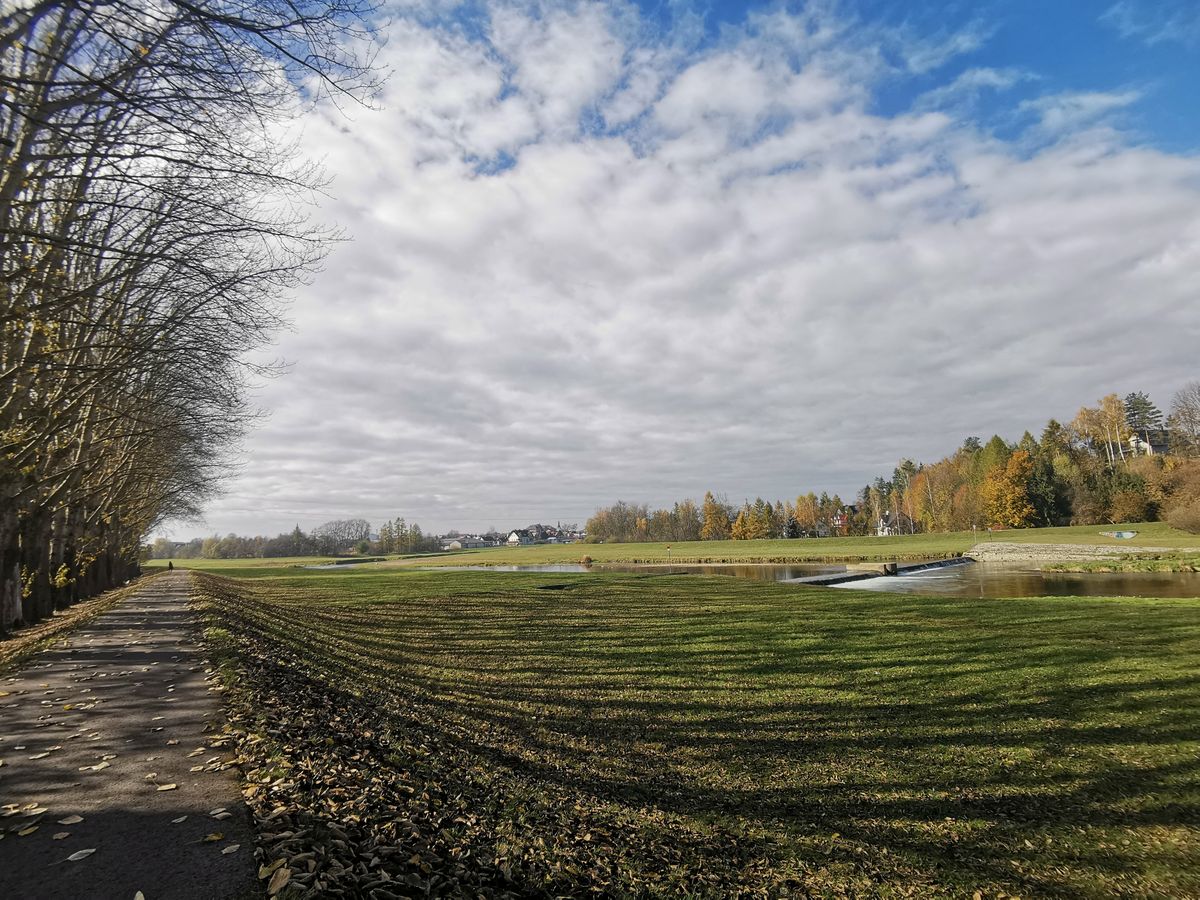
(604, 251)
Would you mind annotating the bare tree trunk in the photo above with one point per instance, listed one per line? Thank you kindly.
(37, 602)
(10, 570)
(58, 529)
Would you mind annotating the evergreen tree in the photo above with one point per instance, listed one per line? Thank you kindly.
(1141, 415)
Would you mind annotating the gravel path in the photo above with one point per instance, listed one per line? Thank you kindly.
(1011, 551)
(110, 744)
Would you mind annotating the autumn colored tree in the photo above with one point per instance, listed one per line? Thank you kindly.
(740, 530)
(1006, 492)
(806, 511)
(716, 519)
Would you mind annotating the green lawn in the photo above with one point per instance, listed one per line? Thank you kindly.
(483, 733)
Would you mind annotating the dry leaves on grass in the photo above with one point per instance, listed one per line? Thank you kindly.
(350, 802)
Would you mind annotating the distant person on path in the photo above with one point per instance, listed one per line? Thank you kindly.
(170, 565)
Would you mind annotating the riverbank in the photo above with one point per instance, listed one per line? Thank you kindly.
(1170, 563)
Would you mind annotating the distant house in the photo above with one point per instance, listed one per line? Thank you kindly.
(1149, 443)
(839, 523)
(889, 525)
(519, 536)
(466, 542)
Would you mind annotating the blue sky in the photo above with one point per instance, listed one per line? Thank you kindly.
(604, 252)
(1148, 46)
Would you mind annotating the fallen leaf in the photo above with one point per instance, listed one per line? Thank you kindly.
(177, 821)
(26, 831)
(39, 755)
(278, 880)
(81, 854)
(232, 848)
(70, 820)
(60, 835)
(167, 787)
(213, 838)
(264, 871)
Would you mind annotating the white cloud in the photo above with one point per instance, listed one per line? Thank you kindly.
(1156, 22)
(967, 87)
(926, 54)
(755, 285)
(1058, 113)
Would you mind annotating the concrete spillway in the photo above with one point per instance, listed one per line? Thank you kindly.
(881, 569)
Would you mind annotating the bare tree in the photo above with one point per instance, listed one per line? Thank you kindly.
(151, 225)
(1183, 424)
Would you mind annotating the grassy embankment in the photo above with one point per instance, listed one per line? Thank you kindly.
(482, 733)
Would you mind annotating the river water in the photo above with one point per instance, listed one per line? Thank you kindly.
(970, 580)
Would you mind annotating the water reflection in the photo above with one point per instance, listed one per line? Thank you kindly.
(973, 580)
(998, 580)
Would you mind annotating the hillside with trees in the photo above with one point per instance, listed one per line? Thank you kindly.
(1121, 460)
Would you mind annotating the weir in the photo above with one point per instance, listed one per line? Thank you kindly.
(880, 569)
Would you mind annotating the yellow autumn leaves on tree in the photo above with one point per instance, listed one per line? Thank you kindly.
(1006, 492)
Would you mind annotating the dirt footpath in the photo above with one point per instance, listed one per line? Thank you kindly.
(113, 777)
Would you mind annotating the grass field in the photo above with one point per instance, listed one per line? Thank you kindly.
(919, 546)
(636, 735)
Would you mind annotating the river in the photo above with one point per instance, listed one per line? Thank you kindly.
(971, 580)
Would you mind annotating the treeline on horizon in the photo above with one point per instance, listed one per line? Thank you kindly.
(335, 538)
(1119, 461)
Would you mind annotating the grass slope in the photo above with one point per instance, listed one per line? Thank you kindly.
(685, 736)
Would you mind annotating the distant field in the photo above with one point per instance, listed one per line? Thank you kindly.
(684, 736)
(919, 546)
(273, 562)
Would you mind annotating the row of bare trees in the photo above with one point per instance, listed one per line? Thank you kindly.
(152, 219)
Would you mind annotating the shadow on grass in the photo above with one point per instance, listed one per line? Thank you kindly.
(948, 732)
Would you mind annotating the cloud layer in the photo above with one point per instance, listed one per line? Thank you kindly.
(590, 263)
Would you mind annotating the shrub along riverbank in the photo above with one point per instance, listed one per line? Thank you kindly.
(519, 734)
